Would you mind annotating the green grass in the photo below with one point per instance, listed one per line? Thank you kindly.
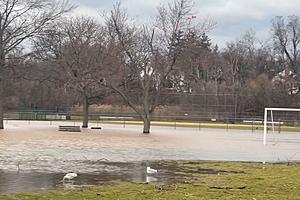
(230, 180)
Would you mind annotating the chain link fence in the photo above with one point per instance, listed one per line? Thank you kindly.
(282, 121)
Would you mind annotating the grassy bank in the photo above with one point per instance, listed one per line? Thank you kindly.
(197, 180)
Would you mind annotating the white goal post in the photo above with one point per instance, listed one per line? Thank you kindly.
(266, 118)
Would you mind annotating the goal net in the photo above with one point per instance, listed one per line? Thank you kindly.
(268, 114)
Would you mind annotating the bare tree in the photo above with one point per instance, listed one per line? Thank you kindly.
(78, 51)
(84, 61)
(148, 54)
(286, 35)
(21, 20)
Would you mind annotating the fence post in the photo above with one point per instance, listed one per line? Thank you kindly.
(175, 124)
(252, 125)
(227, 126)
(279, 128)
(99, 119)
(124, 123)
(199, 126)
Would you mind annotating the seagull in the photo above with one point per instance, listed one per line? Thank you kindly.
(69, 176)
(151, 171)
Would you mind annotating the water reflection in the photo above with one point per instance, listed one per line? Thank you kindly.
(18, 182)
(150, 179)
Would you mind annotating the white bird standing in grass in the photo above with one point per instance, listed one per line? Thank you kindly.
(151, 171)
(69, 176)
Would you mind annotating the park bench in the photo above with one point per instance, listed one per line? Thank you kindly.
(69, 128)
(96, 127)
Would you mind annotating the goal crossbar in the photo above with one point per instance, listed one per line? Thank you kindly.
(266, 118)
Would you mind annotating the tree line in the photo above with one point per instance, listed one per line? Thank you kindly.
(49, 58)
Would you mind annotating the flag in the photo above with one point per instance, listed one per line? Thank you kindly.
(192, 17)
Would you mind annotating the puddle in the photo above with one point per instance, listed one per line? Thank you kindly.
(105, 172)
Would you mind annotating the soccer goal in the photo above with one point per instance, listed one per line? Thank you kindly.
(267, 110)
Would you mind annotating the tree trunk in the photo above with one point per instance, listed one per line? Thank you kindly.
(218, 99)
(146, 129)
(1, 115)
(1, 106)
(85, 121)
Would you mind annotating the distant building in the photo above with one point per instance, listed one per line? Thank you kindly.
(289, 79)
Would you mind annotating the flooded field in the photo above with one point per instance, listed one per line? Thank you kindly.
(35, 155)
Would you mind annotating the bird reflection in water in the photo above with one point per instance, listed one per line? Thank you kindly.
(150, 179)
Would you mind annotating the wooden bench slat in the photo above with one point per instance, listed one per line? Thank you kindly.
(69, 128)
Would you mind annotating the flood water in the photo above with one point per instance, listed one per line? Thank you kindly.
(107, 172)
(35, 156)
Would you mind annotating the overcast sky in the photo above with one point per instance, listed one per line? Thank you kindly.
(233, 17)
